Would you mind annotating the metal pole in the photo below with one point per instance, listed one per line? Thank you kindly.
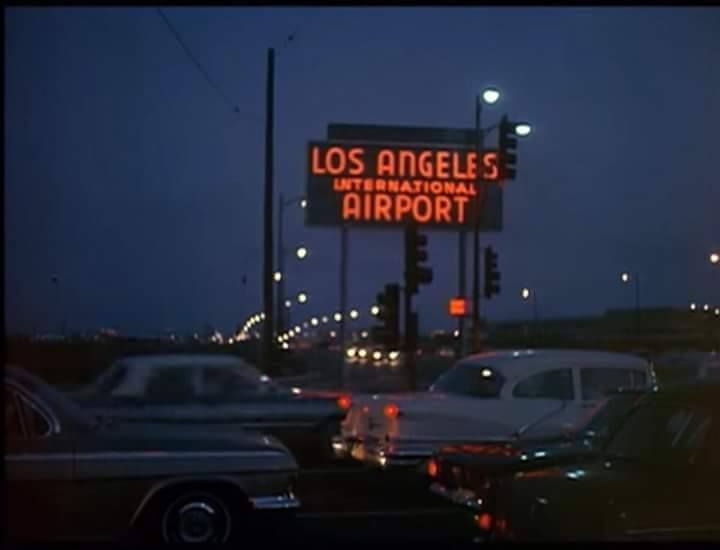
(281, 266)
(479, 149)
(637, 302)
(462, 250)
(343, 300)
(267, 285)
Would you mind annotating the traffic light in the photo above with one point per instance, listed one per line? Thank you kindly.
(389, 303)
(492, 275)
(507, 149)
(416, 274)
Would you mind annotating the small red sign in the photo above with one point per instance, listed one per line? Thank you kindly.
(457, 307)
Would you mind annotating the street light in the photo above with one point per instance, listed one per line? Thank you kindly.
(525, 293)
(375, 311)
(523, 129)
(314, 321)
(490, 95)
(303, 203)
(715, 258)
(277, 276)
(301, 252)
(717, 311)
(693, 306)
(324, 319)
(706, 307)
(338, 317)
(288, 303)
(302, 298)
(625, 277)
(354, 314)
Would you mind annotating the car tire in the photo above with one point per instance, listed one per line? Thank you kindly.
(192, 515)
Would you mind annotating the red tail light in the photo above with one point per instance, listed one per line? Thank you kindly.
(391, 410)
(484, 521)
(344, 402)
(432, 468)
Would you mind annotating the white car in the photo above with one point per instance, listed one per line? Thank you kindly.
(489, 396)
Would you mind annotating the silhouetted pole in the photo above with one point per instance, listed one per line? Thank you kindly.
(267, 344)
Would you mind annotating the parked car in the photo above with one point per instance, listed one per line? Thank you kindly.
(656, 479)
(72, 476)
(463, 473)
(222, 390)
(488, 396)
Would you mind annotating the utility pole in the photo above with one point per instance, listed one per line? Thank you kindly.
(280, 321)
(267, 342)
(480, 195)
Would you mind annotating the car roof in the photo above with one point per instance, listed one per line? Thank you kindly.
(183, 360)
(525, 361)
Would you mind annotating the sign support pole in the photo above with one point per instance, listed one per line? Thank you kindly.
(343, 301)
(462, 252)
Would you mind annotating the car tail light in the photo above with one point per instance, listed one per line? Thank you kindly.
(484, 521)
(432, 468)
(344, 402)
(391, 410)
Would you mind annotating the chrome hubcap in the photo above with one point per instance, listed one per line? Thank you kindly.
(196, 519)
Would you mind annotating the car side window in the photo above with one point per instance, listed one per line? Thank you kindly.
(37, 424)
(13, 422)
(597, 382)
(553, 384)
(227, 382)
(170, 385)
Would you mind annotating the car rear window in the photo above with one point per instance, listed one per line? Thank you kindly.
(470, 380)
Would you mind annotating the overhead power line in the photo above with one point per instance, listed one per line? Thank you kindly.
(197, 63)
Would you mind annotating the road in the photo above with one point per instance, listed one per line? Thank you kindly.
(367, 505)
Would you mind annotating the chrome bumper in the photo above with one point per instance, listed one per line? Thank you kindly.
(461, 497)
(281, 502)
(384, 455)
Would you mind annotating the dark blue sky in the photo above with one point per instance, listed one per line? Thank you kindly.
(129, 178)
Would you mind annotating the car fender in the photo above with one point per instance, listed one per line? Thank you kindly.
(174, 482)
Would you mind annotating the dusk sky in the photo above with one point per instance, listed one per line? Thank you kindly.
(131, 179)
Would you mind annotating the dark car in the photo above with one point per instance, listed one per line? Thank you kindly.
(222, 390)
(464, 473)
(71, 476)
(657, 478)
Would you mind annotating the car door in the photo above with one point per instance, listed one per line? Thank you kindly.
(545, 401)
(39, 466)
(665, 474)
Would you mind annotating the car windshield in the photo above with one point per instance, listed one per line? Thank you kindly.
(470, 380)
(660, 430)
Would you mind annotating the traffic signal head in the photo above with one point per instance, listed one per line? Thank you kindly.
(415, 254)
(492, 274)
(507, 149)
(389, 304)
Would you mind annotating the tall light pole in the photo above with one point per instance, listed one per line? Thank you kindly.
(633, 278)
(490, 96)
(282, 203)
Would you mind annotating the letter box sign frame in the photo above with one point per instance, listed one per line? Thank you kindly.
(388, 185)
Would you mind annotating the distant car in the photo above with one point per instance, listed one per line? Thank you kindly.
(656, 479)
(489, 396)
(463, 474)
(222, 390)
(71, 476)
